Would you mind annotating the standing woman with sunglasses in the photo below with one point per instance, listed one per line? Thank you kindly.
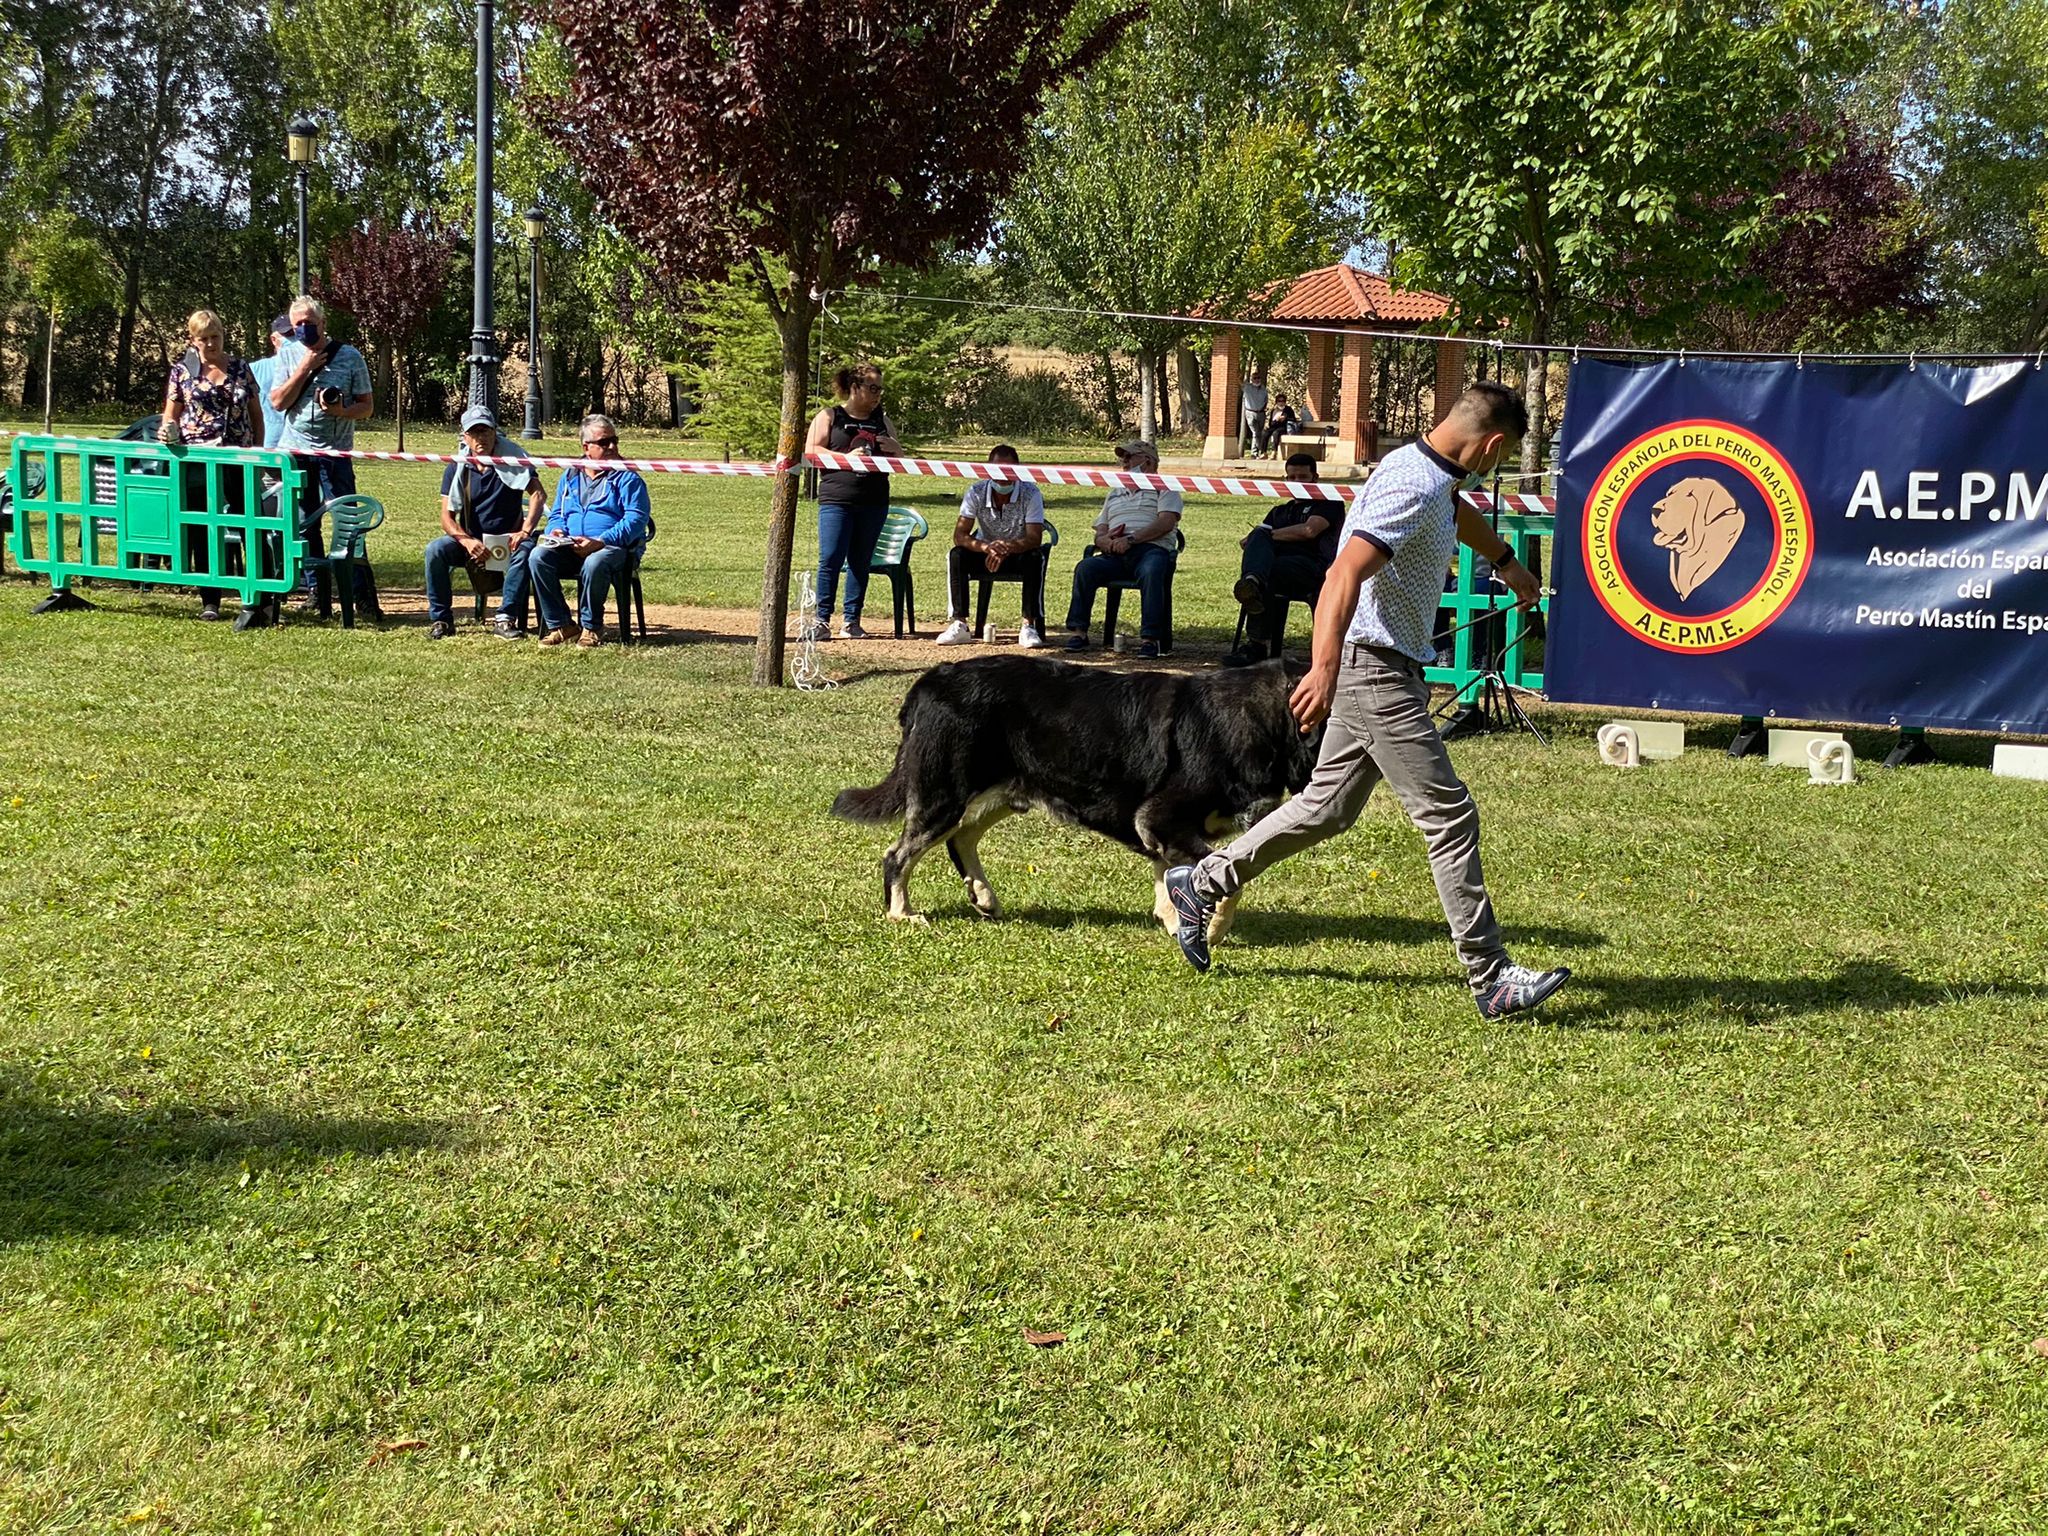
(852, 505)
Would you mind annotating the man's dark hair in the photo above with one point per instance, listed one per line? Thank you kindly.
(1002, 453)
(1301, 458)
(1493, 407)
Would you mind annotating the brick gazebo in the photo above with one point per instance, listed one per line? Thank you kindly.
(1344, 298)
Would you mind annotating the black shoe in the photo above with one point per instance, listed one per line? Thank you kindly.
(1516, 989)
(1144, 650)
(1250, 593)
(440, 630)
(503, 627)
(1078, 641)
(262, 616)
(210, 613)
(1191, 915)
(1250, 654)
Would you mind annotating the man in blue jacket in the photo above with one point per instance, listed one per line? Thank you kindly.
(598, 525)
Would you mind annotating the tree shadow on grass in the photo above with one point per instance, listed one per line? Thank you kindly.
(96, 1170)
(1593, 999)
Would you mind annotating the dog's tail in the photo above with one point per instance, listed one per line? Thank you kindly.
(884, 802)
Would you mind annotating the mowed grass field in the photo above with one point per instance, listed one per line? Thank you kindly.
(466, 1087)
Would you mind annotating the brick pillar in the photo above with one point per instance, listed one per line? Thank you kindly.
(1356, 438)
(1322, 368)
(1226, 382)
(1450, 376)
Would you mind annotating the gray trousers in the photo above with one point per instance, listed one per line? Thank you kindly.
(1380, 728)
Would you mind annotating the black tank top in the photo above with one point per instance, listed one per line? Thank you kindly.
(854, 434)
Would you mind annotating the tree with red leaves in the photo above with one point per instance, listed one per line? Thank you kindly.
(805, 142)
(392, 280)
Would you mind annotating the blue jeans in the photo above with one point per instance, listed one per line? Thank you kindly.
(443, 555)
(325, 479)
(1150, 566)
(518, 584)
(846, 539)
(601, 574)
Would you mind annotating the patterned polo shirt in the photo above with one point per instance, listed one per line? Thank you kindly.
(1408, 509)
(1005, 523)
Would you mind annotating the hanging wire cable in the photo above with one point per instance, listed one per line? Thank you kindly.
(1499, 344)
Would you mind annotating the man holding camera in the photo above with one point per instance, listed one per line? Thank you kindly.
(322, 391)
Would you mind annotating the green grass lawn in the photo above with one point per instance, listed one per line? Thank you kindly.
(470, 1087)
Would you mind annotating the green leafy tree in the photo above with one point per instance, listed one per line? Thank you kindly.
(1545, 163)
(1177, 176)
(1980, 135)
(65, 272)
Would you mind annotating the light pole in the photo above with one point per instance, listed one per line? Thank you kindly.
(303, 137)
(483, 342)
(536, 225)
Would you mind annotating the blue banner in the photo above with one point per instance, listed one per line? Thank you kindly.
(1837, 542)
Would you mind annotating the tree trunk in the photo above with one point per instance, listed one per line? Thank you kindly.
(1535, 391)
(1148, 397)
(795, 324)
(547, 383)
(1194, 405)
(1112, 403)
(398, 398)
(49, 368)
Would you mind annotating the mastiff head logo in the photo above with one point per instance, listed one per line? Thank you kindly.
(1699, 522)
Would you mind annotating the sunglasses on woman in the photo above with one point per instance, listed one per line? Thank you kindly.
(600, 442)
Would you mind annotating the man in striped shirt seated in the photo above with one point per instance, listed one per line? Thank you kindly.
(1372, 639)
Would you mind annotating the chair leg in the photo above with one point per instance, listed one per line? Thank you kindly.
(1166, 624)
(640, 602)
(343, 578)
(909, 600)
(1112, 600)
(625, 615)
(981, 604)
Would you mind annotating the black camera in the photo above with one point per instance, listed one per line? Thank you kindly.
(328, 395)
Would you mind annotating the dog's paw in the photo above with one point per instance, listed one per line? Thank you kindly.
(1221, 919)
(915, 919)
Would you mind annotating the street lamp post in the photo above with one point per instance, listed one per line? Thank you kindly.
(483, 343)
(536, 225)
(302, 138)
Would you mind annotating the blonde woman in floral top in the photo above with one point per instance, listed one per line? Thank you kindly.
(211, 401)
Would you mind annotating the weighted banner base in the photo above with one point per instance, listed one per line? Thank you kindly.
(1912, 749)
(63, 600)
(1751, 740)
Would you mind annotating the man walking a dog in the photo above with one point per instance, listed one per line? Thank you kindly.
(1372, 639)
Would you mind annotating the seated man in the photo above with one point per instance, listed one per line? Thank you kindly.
(1280, 420)
(1133, 542)
(1284, 557)
(1001, 531)
(599, 524)
(480, 502)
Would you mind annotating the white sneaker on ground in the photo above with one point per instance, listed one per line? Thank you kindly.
(1028, 638)
(849, 629)
(956, 632)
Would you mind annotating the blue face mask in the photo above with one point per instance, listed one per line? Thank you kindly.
(306, 333)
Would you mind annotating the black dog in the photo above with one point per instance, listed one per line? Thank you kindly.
(1154, 760)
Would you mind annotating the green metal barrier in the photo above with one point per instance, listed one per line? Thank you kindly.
(1526, 534)
(156, 514)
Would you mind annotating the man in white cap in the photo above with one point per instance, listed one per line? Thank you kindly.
(1134, 541)
(480, 502)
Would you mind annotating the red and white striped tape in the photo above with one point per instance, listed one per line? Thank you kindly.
(949, 469)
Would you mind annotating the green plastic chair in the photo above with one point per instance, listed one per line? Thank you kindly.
(349, 519)
(900, 530)
(1113, 596)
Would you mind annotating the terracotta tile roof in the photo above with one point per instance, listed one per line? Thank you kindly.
(1346, 293)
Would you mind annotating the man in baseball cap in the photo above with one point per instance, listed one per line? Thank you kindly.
(481, 505)
(1134, 541)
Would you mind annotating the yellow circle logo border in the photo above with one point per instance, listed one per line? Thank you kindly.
(1784, 497)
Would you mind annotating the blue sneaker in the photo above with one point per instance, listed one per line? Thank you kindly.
(1191, 913)
(1516, 989)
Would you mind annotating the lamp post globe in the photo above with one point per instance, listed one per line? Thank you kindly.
(536, 226)
(302, 140)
